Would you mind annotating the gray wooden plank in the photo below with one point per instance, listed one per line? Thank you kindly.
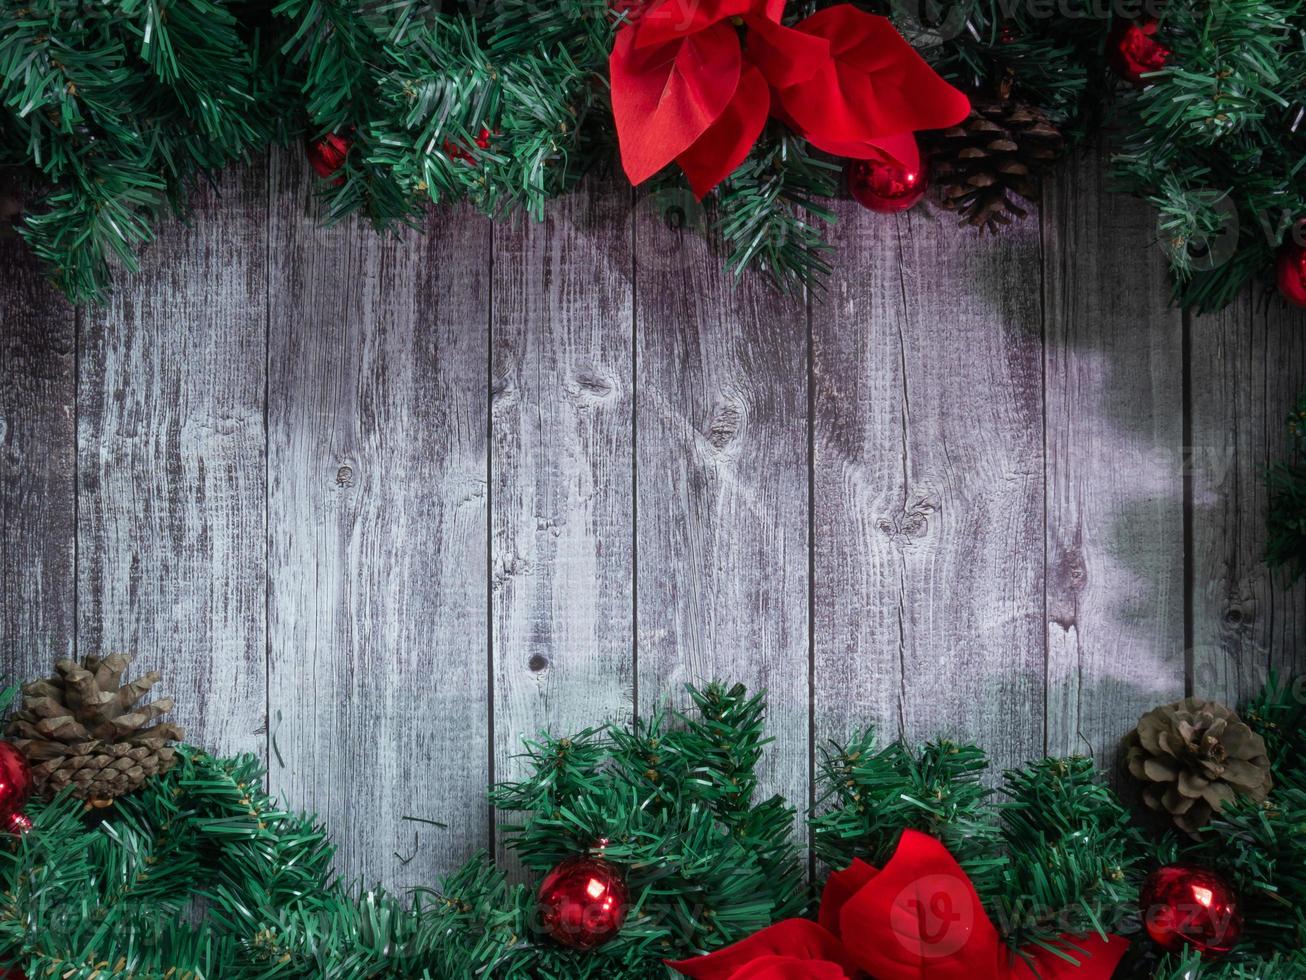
(171, 467)
(722, 486)
(1115, 486)
(378, 400)
(38, 459)
(929, 485)
(562, 572)
(1248, 367)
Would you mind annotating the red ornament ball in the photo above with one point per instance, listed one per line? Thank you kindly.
(1185, 905)
(1134, 50)
(1291, 267)
(886, 186)
(326, 155)
(15, 781)
(583, 902)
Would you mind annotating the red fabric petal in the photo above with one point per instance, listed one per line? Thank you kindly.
(1097, 959)
(789, 968)
(920, 916)
(664, 20)
(794, 939)
(728, 140)
(902, 147)
(839, 888)
(786, 56)
(666, 97)
(874, 85)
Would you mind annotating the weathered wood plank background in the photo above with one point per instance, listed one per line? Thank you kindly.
(380, 507)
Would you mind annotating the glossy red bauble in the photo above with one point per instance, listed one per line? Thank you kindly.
(326, 155)
(583, 902)
(886, 186)
(1134, 50)
(15, 781)
(1188, 906)
(1291, 268)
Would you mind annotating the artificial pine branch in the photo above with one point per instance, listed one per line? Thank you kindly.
(201, 873)
(1212, 132)
(1074, 854)
(870, 795)
(771, 213)
(120, 109)
(669, 799)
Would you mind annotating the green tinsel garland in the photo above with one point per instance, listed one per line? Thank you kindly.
(202, 874)
(109, 114)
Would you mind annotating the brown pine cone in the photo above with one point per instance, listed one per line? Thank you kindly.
(988, 167)
(1194, 756)
(84, 728)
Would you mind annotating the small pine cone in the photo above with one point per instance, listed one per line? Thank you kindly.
(85, 729)
(1194, 756)
(985, 167)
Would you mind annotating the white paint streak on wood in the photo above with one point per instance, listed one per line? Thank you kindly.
(562, 573)
(1115, 498)
(171, 445)
(929, 485)
(722, 447)
(377, 534)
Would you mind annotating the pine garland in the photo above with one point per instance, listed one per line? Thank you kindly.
(1220, 133)
(202, 874)
(112, 113)
(109, 116)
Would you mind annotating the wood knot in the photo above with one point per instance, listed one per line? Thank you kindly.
(907, 525)
(1239, 616)
(1069, 572)
(727, 422)
(502, 394)
(589, 386)
(1067, 578)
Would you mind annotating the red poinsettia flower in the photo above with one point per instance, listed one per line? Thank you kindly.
(686, 88)
(917, 919)
(868, 97)
(681, 89)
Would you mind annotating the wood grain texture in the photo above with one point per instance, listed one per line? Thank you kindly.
(170, 462)
(38, 461)
(406, 500)
(377, 534)
(1248, 367)
(562, 561)
(722, 486)
(1115, 487)
(929, 485)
